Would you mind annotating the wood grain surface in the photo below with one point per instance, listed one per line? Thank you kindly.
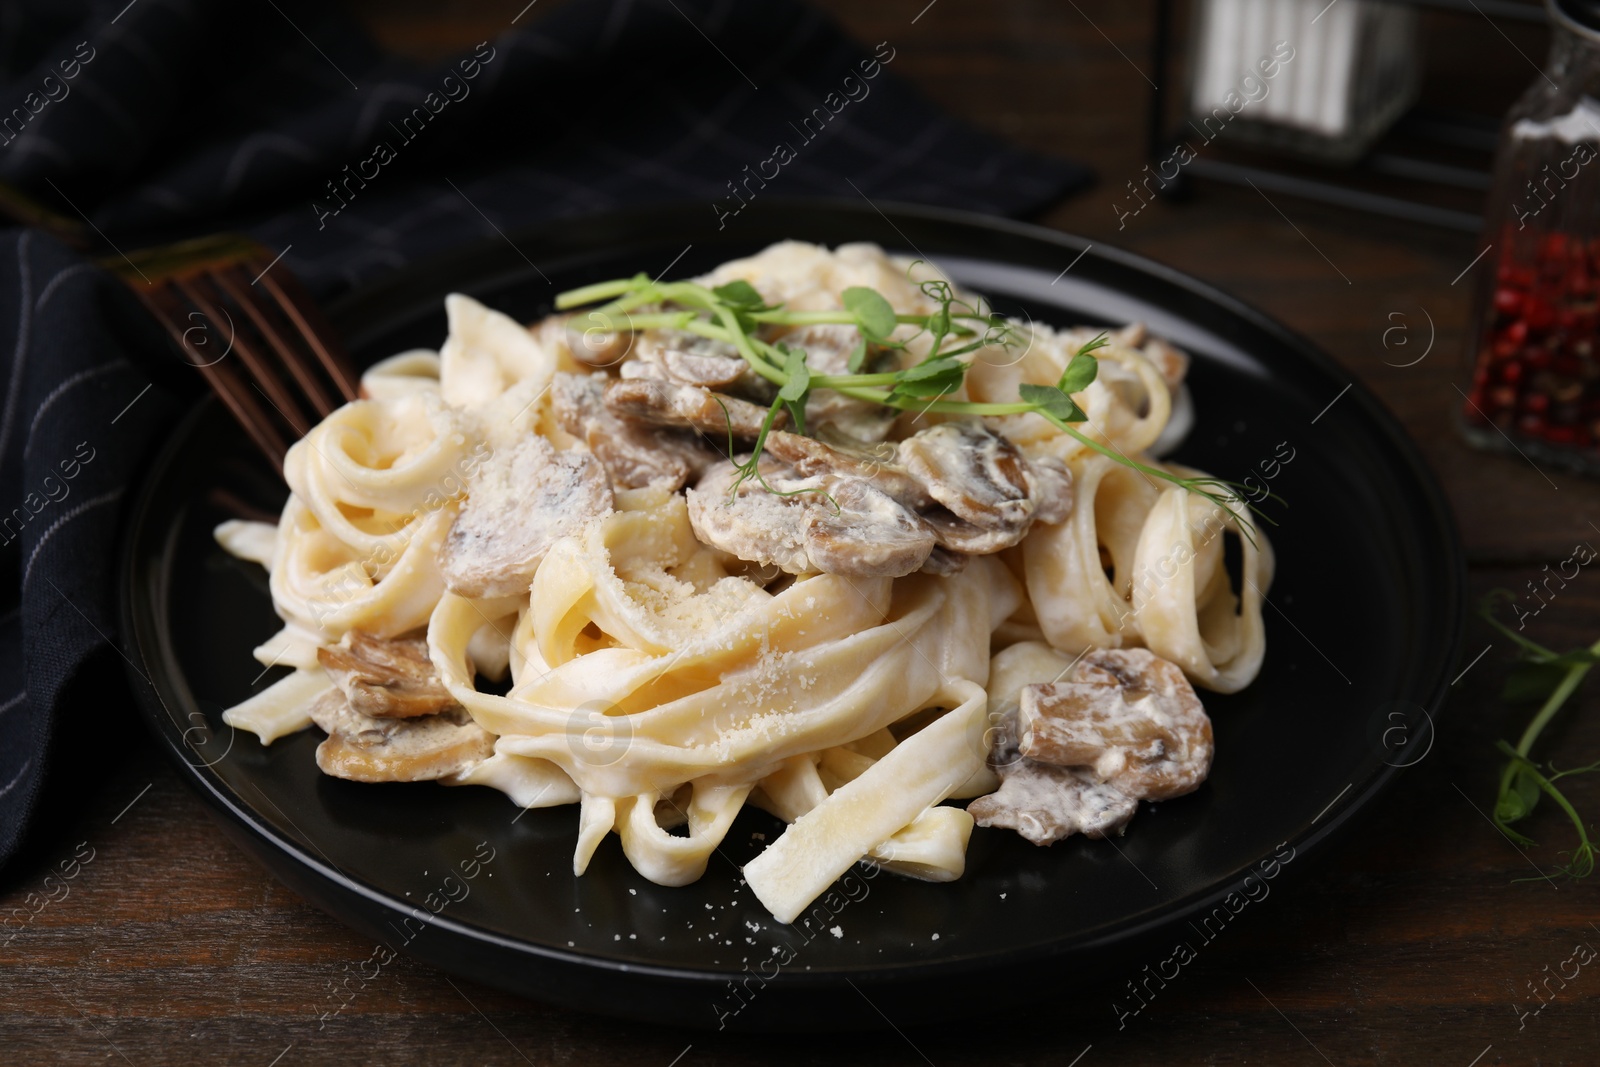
(1413, 943)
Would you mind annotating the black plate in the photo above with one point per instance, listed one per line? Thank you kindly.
(1362, 633)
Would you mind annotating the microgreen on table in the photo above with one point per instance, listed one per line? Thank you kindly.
(1549, 677)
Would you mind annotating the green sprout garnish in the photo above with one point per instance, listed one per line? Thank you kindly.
(1551, 677)
(734, 313)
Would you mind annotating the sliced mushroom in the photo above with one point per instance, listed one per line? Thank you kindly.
(1078, 756)
(959, 536)
(990, 494)
(870, 534)
(669, 403)
(367, 749)
(944, 563)
(756, 525)
(976, 473)
(1044, 803)
(575, 400)
(386, 678)
(1040, 801)
(1051, 487)
(856, 529)
(878, 463)
(859, 420)
(519, 502)
(1172, 363)
(634, 454)
(638, 368)
(590, 337)
(1130, 716)
(828, 348)
(692, 359)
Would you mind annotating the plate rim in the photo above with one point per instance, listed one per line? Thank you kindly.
(163, 720)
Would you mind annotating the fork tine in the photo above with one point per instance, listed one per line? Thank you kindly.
(261, 372)
(247, 411)
(255, 419)
(280, 334)
(228, 280)
(303, 312)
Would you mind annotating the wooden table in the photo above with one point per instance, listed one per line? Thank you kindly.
(1410, 945)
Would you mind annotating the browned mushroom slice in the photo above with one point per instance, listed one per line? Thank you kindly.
(634, 454)
(366, 749)
(692, 359)
(590, 337)
(519, 502)
(944, 563)
(876, 463)
(856, 530)
(960, 536)
(1130, 716)
(988, 491)
(713, 372)
(1172, 363)
(860, 420)
(828, 348)
(865, 533)
(756, 525)
(386, 678)
(668, 403)
(976, 473)
(1045, 803)
(575, 401)
(1050, 483)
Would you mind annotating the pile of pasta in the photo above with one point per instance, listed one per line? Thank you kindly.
(652, 681)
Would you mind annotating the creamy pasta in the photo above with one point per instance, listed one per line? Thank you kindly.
(530, 562)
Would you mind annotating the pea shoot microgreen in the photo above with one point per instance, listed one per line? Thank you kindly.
(735, 313)
(1549, 677)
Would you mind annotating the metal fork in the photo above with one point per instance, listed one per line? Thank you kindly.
(223, 296)
(290, 356)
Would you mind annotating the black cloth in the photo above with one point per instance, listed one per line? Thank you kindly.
(164, 119)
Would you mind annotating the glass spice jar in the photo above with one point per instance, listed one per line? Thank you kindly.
(1533, 346)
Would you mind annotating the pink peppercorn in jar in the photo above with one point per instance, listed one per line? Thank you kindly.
(1534, 348)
